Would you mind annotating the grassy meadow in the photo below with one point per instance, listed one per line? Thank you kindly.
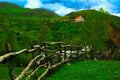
(76, 70)
(88, 70)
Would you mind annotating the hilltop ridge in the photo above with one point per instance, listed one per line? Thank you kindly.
(13, 9)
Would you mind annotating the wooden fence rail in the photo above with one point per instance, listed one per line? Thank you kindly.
(33, 49)
(60, 52)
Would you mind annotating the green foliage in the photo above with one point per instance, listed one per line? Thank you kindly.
(22, 59)
(11, 39)
(104, 11)
(20, 27)
(4, 71)
(14, 10)
(90, 31)
(116, 55)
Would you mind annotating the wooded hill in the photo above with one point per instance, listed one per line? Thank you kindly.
(8, 10)
(20, 26)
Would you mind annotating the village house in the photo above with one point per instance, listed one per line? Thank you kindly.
(79, 19)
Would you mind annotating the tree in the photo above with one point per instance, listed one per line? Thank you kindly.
(12, 40)
(104, 11)
(45, 34)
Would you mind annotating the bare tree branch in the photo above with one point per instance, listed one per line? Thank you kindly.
(55, 65)
(50, 67)
(53, 42)
(3, 57)
(31, 50)
(46, 71)
(28, 67)
(11, 54)
(29, 76)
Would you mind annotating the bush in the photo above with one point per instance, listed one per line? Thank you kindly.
(22, 59)
(116, 55)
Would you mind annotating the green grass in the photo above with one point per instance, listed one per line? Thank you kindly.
(82, 70)
(88, 70)
(4, 71)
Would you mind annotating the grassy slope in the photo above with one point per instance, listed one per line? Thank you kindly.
(4, 71)
(95, 18)
(85, 70)
(85, 33)
(25, 22)
(88, 70)
(29, 22)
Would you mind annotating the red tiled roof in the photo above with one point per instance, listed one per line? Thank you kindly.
(78, 17)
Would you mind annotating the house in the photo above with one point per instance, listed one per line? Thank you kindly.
(79, 19)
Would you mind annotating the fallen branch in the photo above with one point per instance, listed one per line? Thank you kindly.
(43, 48)
(50, 67)
(101, 55)
(29, 76)
(28, 67)
(2, 58)
(55, 65)
(46, 71)
(31, 50)
(53, 42)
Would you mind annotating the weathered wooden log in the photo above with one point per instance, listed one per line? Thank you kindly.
(3, 57)
(46, 71)
(29, 76)
(31, 50)
(11, 54)
(55, 65)
(50, 67)
(28, 67)
(66, 45)
(52, 42)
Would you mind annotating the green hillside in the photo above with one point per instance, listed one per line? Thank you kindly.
(7, 9)
(20, 26)
(101, 23)
(87, 70)
(6, 5)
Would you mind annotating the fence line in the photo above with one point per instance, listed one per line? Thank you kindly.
(61, 57)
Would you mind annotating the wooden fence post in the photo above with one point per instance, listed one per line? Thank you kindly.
(10, 61)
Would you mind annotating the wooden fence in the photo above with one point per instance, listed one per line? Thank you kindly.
(59, 50)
